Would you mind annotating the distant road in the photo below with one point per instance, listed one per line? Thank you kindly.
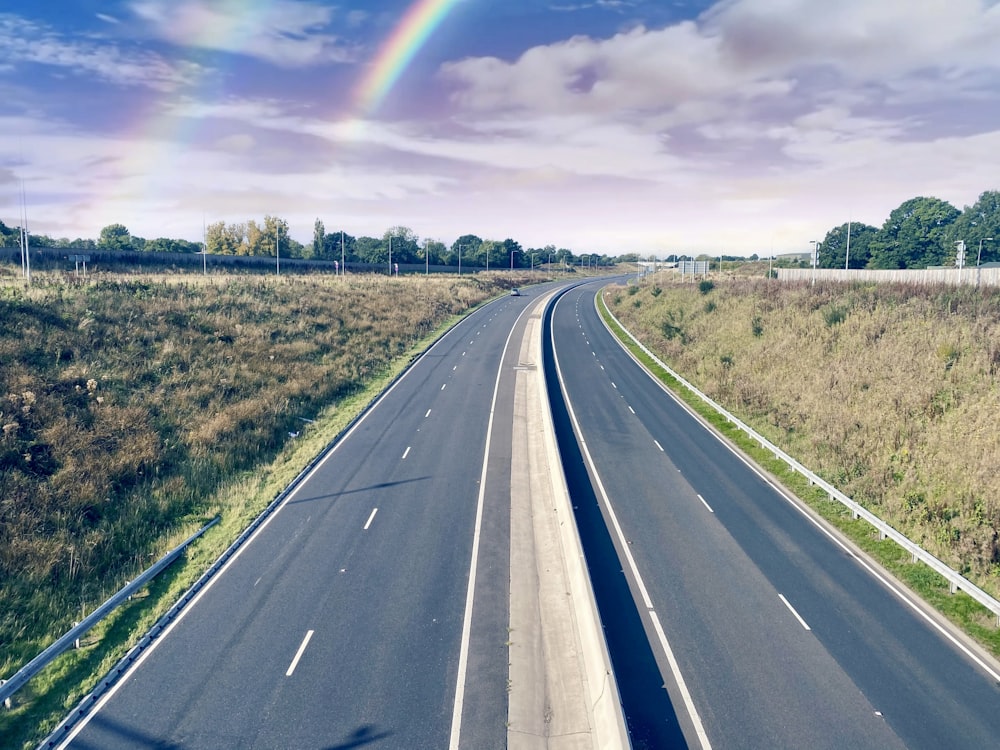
(340, 625)
(783, 638)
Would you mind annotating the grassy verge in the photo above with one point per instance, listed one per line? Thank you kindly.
(959, 608)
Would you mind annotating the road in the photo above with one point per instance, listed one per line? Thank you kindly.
(345, 621)
(781, 636)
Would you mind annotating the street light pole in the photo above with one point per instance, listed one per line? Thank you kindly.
(979, 257)
(815, 257)
(512, 259)
(459, 260)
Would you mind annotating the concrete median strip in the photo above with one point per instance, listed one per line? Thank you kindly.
(563, 692)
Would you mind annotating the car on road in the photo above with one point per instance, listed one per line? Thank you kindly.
(515, 293)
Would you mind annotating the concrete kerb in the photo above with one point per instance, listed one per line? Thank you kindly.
(563, 690)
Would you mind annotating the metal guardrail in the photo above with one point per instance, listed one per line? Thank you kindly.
(955, 580)
(33, 667)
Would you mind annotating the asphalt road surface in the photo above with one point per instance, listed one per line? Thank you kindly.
(781, 636)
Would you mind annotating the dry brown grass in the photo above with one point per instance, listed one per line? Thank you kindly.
(889, 392)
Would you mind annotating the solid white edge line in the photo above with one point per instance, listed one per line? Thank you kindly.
(705, 503)
(795, 503)
(370, 519)
(82, 723)
(470, 592)
(792, 610)
(298, 654)
(623, 545)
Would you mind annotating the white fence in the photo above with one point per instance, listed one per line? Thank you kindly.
(986, 276)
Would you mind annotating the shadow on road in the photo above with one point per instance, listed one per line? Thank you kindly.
(379, 486)
(365, 735)
(649, 714)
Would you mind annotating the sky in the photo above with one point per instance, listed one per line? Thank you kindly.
(608, 126)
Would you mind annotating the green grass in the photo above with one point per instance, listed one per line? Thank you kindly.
(959, 608)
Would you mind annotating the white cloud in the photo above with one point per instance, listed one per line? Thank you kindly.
(743, 49)
(27, 41)
(289, 33)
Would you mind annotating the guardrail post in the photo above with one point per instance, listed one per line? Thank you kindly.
(6, 704)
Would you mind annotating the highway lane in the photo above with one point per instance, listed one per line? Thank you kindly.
(340, 624)
(782, 637)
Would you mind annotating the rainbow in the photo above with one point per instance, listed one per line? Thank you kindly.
(396, 53)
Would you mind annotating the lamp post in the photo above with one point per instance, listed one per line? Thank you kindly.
(979, 257)
(512, 259)
(815, 257)
(459, 260)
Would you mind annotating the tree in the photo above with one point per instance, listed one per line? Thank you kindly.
(226, 239)
(405, 247)
(256, 241)
(493, 251)
(916, 235)
(332, 246)
(833, 250)
(115, 237)
(9, 236)
(275, 239)
(979, 221)
(434, 251)
(166, 245)
(512, 249)
(319, 240)
(471, 246)
(370, 250)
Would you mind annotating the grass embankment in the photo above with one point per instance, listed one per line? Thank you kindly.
(891, 393)
(133, 410)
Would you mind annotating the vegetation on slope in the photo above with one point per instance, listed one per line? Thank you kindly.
(889, 392)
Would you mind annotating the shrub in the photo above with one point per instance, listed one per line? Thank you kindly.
(705, 286)
(834, 314)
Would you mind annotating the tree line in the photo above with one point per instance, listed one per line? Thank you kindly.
(270, 238)
(921, 232)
